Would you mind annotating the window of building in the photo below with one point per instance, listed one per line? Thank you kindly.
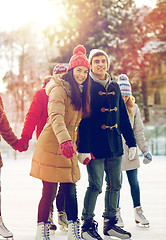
(157, 98)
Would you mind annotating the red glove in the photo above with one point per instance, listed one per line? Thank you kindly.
(92, 157)
(67, 149)
(23, 143)
(84, 158)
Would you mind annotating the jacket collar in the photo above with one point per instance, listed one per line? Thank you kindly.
(104, 83)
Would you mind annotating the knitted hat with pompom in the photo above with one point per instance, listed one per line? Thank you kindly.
(124, 84)
(59, 68)
(79, 58)
(97, 52)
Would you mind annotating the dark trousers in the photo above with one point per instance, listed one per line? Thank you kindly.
(48, 196)
(132, 176)
(60, 199)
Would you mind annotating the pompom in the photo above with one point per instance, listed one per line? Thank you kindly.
(79, 48)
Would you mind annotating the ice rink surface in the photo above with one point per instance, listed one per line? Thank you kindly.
(21, 194)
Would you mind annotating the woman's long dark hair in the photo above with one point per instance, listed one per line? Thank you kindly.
(79, 99)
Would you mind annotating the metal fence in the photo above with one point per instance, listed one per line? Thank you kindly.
(156, 139)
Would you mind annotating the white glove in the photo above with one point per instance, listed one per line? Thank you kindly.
(132, 152)
(147, 157)
(84, 158)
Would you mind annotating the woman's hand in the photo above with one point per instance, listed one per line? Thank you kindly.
(67, 149)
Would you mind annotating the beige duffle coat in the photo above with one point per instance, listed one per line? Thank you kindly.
(138, 127)
(48, 163)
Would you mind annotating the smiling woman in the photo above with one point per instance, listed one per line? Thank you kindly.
(16, 13)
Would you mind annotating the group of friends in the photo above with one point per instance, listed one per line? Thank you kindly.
(81, 115)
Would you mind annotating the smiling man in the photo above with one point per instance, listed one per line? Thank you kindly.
(100, 135)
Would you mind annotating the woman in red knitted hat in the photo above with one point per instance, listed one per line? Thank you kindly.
(35, 120)
(54, 159)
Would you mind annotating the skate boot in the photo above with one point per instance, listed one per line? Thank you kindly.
(112, 230)
(90, 230)
(119, 219)
(74, 230)
(139, 217)
(53, 227)
(43, 231)
(4, 232)
(62, 220)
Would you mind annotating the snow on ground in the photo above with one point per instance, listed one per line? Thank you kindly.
(21, 194)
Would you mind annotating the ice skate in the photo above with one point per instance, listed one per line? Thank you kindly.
(62, 220)
(90, 230)
(43, 231)
(74, 230)
(4, 232)
(53, 227)
(112, 230)
(119, 219)
(139, 217)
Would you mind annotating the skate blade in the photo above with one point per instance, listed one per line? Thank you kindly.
(115, 238)
(108, 238)
(6, 238)
(52, 232)
(63, 228)
(146, 225)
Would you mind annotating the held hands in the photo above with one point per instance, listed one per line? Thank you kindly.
(147, 157)
(92, 157)
(23, 143)
(84, 158)
(67, 149)
(132, 152)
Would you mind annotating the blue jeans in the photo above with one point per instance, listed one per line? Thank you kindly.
(96, 168)
(132, 176)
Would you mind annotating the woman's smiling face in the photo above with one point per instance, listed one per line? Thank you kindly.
(80, 74)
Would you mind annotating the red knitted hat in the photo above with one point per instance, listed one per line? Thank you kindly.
(59, 68)
(79, 58)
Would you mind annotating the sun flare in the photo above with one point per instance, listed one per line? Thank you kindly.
(15, 13)
(18, 12)
(149, 3)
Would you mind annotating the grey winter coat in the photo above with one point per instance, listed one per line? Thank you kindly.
(138, 128)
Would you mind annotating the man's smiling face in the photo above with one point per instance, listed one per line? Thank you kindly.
(99, 66)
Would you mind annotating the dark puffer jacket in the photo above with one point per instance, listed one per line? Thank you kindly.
(100, 134)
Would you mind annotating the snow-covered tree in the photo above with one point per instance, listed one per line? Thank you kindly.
(26, 64)
(125, 33)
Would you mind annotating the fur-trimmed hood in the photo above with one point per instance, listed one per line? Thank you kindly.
(56, 81)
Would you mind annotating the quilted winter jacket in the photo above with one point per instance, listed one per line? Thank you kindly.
(48, 163)
(5, 129)
(100, 133)
(37, 114)
(138, 129)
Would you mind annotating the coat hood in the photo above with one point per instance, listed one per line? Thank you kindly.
(56, 81)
